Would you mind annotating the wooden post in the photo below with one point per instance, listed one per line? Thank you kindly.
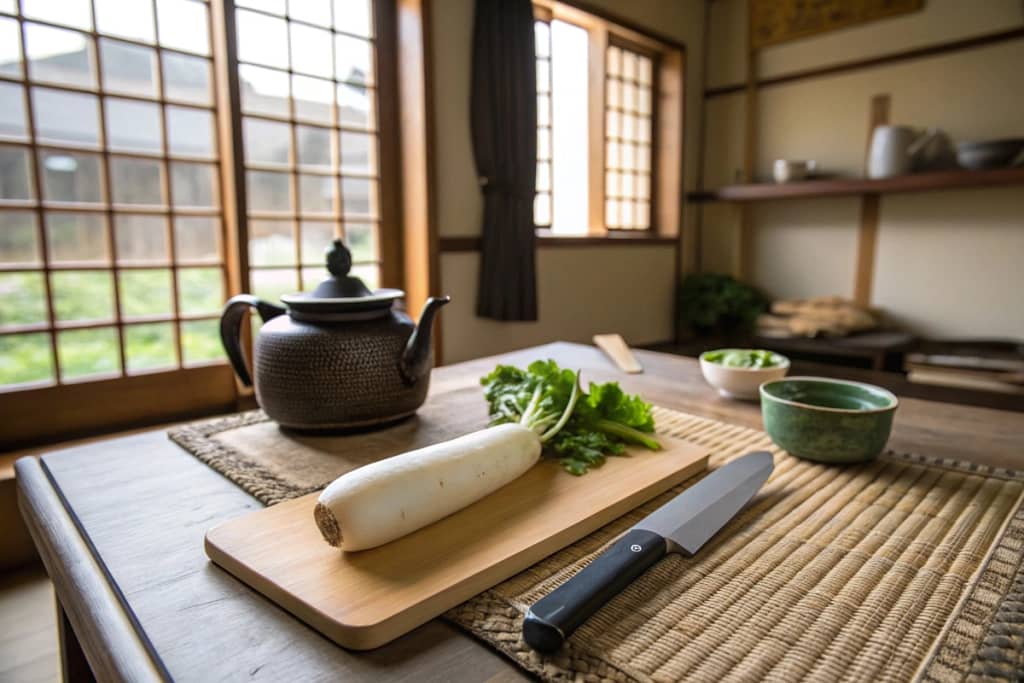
(598, 47)
(227, 91)
(418, 263)
(73, 664)
(867, 234)
(693, 238)
(743, 247)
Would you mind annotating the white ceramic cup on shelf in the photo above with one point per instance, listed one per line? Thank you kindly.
(786, 170)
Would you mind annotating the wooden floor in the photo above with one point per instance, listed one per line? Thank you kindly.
(28, 627)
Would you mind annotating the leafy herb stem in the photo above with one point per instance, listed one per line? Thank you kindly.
(626, 433)
(573, 398)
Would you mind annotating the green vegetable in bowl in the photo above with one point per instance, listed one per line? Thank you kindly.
(744, 358)
(603, 420)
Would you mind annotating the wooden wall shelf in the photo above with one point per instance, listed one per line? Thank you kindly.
(847, 187)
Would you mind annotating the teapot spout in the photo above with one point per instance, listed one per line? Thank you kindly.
(416, 360)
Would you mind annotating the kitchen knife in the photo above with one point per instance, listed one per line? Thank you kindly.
(682, 525)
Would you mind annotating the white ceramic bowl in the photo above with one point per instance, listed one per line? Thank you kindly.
(740, 383)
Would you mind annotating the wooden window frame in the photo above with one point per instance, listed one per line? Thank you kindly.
(668, 92)
(407, 229)
(549, 161)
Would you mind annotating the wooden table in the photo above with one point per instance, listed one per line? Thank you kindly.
(120, 525)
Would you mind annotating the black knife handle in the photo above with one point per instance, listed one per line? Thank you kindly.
(554, 617)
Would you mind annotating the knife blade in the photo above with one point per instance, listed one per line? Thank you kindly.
(682, 525)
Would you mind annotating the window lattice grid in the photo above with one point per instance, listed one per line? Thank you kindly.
(543, 200)
(111, 231)
(629, 130)
(310, 139)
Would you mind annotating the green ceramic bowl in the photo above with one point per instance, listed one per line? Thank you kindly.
(827, 420)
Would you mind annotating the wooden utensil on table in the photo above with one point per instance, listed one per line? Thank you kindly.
(615, 346)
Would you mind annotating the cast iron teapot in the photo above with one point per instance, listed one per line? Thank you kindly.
(343, 356)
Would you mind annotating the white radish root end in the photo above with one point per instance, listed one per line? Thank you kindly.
(328, 524)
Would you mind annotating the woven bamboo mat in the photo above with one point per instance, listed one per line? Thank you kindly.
(907, 567)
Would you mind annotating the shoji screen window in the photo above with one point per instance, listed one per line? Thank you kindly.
(110, 218)
(629, 127)
(307, 76)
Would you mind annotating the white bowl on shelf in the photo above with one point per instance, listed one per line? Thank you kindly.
(741, 383)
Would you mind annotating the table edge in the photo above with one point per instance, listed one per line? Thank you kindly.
(112, 645)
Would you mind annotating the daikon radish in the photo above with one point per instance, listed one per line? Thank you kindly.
(385, 500)
(391, 498)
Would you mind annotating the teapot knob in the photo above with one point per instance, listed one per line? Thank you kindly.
(341, 284)
(339, 259)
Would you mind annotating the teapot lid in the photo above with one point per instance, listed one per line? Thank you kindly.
(341, 293)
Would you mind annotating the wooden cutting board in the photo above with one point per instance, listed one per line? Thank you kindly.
(364, 599)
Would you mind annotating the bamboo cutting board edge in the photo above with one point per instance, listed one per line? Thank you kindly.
(226, 545)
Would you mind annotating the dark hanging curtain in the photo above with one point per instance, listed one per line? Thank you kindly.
(503, 112)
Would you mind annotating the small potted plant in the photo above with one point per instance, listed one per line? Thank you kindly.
(719, 306)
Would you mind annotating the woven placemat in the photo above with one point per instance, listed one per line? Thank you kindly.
(906, 567)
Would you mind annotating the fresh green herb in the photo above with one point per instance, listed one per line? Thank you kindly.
(744, 358)
(580, 429)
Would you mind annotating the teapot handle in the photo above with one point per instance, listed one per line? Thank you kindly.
(231, 328)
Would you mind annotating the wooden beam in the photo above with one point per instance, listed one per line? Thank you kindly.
(228, 97)
(420, 254)
(985, 40)
(50, 414)
(695, 261)
(744, 246)
(227, 92)
(669, 126)
(392, 115)
(621, 238)
(685, 233)
(867, 234)
(598, 47)
(927, 181)
(74, 666)
(867, 237)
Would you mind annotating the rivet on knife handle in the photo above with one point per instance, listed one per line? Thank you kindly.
(553, 618)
